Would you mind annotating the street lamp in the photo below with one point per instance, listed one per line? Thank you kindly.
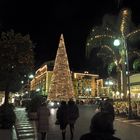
(117, 42)
(30, 77)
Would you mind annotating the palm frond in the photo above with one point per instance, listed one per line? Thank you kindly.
(134, 35)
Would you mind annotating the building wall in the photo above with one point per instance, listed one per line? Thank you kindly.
(99, 87)
(84, 84)
(135, 86)
(39, 81)
(48, 80)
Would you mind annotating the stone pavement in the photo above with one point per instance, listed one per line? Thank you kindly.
(26, 129)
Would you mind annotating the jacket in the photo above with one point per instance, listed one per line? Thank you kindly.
(73, 113)
(43, 119)
(98, 136)
(62, 115)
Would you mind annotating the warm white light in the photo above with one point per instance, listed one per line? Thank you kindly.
(17, 95)
(58, 103)
(31, 76)
(52, 103)
(117, 93)
(52, 111)
(108, 83)
(122, 94)
(88, 89)
(38, 89)
(13, 100)
(115, 62)
(116, 42)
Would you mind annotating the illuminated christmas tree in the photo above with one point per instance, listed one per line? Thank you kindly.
(61, 86)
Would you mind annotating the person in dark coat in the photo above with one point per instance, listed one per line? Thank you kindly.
(62, 117)
(43, 114)
(73, 114)
(107, 106)
(101, 128)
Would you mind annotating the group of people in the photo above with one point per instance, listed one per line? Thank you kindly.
(67, 114)
(101, 127)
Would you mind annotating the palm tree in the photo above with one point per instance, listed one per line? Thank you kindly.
(114, 27)
(136, 65)
(111, 60)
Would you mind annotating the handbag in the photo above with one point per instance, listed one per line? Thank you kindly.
(57, 122)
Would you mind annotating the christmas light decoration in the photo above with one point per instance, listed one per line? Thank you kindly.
(61, 86)
(103, 36)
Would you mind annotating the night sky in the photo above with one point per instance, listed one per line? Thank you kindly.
(45, 21)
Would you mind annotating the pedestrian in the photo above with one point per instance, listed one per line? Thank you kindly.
(43, 114)
(62, 117)
(107, 106)
(101, 128)
(73, 114)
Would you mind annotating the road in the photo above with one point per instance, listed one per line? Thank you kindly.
(125, 129)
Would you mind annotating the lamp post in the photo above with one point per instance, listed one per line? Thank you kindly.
(117, 42)
(30, 77)
(128, 79)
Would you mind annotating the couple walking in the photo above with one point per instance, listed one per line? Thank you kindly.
(67, 114)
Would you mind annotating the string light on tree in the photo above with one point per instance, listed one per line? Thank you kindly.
(61, 86)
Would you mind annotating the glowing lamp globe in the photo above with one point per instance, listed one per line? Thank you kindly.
(116, 42)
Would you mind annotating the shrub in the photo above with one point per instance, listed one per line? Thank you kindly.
(7, 116)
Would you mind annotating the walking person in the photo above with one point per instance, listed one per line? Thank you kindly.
(101, 128)
(43, 114)
(107, 106)
(62, 117)
(73, 114)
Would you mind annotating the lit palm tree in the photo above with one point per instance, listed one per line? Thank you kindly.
(136, 65)
(112, 60)
(114, 27)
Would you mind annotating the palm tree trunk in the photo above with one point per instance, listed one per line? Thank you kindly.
(6, 101)
(119, 78)
(119, 81)
(124, 80)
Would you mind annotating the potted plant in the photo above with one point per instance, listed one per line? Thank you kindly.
(7, 120)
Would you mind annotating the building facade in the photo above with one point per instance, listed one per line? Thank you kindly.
(85, 84)
(135, 86)
(41, 81)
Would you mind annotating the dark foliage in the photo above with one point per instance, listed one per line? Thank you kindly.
(7, 116)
